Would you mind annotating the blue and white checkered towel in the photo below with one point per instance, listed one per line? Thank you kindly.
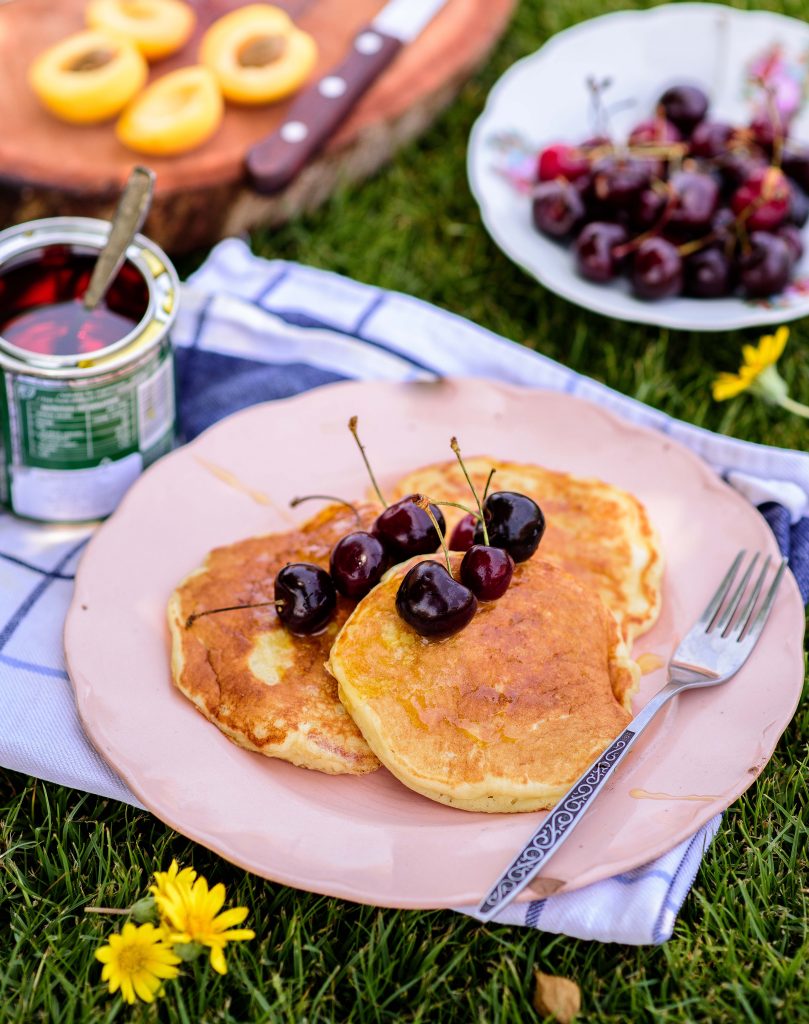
(252, 330)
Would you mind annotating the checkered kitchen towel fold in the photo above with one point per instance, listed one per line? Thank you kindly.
(252, 330)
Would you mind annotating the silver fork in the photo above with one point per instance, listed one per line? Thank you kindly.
(712, 651)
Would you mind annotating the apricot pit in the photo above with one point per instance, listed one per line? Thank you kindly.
(88, 77)
(258, 54)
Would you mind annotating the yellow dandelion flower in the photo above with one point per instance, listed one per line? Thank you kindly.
(137, 961)
(164, 880)
(192, 914)
(769, 350)
(728, 385)
(757, 359)
(758, 375)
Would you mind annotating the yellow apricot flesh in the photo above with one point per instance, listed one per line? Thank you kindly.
(157, 28)
(88, 77)
(176, 113)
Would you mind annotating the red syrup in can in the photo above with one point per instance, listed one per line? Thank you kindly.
(41, 309)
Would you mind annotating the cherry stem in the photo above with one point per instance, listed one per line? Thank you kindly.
(775, 117)
(352, 426)
(621, 251)
(647, 150)
(492, 471)
(659, 150)
(457, 504)
(424, 502)
(189, 622)
(598, 113)
(687, 248)
(457, 449)
(326, 497)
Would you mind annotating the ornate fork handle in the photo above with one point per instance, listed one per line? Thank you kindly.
(566, 815)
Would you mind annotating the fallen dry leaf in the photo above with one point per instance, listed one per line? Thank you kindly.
(559, 998)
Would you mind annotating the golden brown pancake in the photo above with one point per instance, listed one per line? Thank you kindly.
(503, 715)
(597, 532)
(264, 688)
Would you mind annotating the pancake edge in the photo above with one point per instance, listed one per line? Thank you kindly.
(488, 795)
(298, 748)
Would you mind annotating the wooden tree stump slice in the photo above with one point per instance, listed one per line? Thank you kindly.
(49, 168)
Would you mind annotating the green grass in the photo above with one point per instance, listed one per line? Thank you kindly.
(741, 945)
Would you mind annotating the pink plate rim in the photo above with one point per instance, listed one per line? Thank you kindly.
(129, 620)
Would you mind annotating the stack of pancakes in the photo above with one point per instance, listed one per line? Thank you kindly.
(502, 716)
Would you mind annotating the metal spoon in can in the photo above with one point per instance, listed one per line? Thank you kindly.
(127, 220)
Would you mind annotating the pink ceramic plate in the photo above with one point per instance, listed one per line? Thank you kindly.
(370, 839)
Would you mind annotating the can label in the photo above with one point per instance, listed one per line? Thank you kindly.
(78, 446)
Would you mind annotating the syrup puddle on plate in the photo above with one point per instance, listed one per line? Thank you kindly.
(233, 481)
(649, 663)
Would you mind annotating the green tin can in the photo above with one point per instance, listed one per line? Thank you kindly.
(87, 401)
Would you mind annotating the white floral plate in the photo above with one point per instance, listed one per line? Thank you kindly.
(543, 98)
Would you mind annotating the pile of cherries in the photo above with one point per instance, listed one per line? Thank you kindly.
(689, 206)
(434, 603)
(429, 598)
(306, 595)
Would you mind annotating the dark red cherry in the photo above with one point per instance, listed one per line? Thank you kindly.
(685, 106)
(708, 274)
(487, 571)
(562, 161)
(432, 602)
(793, 236)
(463, 536)
(724, 227)
(305, 597)
(798, 205)
(710, 139)
(764, 198)
(357, 564)
(765, 268)
(514, 522)
(737, 166)
(557, 208)
(595, 250)
(655, 131)
(648, 208)
(406, 530)
(696, 199)
(595, 142)
(795, 162)
(617, 180)
(657, 270)
(765, 129)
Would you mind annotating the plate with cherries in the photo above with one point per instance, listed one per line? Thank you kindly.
(653, 166)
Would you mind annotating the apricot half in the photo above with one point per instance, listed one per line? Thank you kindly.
(257, 54)
(176, 113)
(156, 27)
(88, 77)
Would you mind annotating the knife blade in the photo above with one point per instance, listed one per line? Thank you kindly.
(274, 162)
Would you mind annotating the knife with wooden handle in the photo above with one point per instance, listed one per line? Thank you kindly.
(319, 109)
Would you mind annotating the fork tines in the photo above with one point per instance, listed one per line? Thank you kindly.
(747, 624)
